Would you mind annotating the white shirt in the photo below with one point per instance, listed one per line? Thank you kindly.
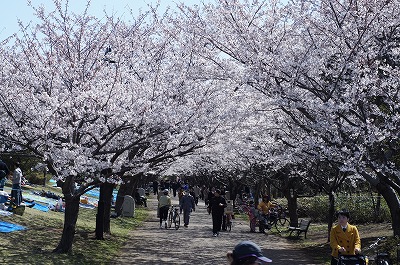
(17, 176)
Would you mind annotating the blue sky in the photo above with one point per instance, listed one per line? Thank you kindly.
(12, 10)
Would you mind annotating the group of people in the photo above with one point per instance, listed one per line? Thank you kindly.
(344, 240)
(344, 237)
(16, 179)
(186, 205)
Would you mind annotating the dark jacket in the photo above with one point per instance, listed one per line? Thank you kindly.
(4, 170)
(215, 207)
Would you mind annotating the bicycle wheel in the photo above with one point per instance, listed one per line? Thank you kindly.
(177, 221)
(170, 216)
(281, 223)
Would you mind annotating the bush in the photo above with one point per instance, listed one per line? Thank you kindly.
(361, 208)
(34, 178)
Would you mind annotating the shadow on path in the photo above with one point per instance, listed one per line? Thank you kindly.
(195, 245)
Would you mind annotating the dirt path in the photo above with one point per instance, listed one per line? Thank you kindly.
(195, 245)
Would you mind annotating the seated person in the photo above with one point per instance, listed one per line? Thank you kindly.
(3, 199)
(264, 207)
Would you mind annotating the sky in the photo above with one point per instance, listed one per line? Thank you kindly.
(14, 10)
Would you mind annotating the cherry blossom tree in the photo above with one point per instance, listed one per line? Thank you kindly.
(330, 66)
(98, 98)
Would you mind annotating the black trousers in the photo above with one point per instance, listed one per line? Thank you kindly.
(217, 222)
(164, 213)
(334, 261)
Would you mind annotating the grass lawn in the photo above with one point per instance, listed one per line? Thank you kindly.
(44, 229)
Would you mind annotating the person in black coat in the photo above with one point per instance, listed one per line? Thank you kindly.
(216, 208)
(4, 172)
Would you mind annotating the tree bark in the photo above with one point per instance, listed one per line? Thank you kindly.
(331, 213)
(393, 203)
(100, 215)
(70, 216)
(292, 207)
(108, 193)
(390, 196)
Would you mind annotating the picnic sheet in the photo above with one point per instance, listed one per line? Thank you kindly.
(37, 206)
(5, 213)
(96, 193)
(40, 207)
(6, 227)
(38, 198)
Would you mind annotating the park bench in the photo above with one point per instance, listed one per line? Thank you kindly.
(301, 228)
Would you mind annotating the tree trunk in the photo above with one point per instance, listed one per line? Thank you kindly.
(108, 193)
(292, 207)
(70, 216)
(393, 203)
(331, 213)
(100, 214)
(391, 198)
(378, 207)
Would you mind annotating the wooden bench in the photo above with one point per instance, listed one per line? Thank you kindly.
(302, 228)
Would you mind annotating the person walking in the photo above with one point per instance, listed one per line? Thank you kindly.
(4, 172)
(216, 208)
(187, 205)
(163, 205)
(155, 187)
(16, 193)
(197, 191)
(344, 238)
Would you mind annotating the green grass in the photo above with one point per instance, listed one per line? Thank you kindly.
(44, 230)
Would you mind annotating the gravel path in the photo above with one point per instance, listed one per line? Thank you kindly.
(195, 245)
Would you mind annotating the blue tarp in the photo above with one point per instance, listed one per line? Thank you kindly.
(5, 213)
(40, 207)
(96, 193)
(6, 227)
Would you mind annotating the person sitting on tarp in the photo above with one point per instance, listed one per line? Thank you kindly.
(4, 172)
(3, 200)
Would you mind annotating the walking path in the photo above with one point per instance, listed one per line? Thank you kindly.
(195, 245)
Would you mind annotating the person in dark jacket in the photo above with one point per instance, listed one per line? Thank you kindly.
(4, 172)
(216, 208)
(187, 205)
(155, 187)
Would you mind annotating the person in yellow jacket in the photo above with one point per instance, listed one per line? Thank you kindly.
(344, 237)
(264, 207)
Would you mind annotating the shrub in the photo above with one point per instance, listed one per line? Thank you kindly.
(34, 178)
(361, 208)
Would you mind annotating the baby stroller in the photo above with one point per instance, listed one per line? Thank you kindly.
(352, 260)
(140, 200)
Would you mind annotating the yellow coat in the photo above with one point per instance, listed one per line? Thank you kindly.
(350, 240)
(265, 206)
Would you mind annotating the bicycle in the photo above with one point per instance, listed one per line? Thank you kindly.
(173, 217)
(277, 218)
(380, 258)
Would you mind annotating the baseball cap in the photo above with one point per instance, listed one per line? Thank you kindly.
(246, 249)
